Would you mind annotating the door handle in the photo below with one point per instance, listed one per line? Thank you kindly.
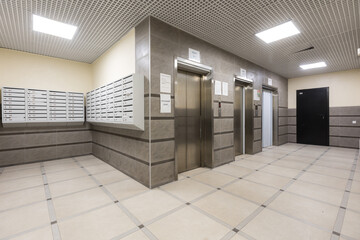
(322, 116)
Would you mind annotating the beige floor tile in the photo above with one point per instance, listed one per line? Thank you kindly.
(332, 164)
(24, 218)
(283, 171)
(126, 188)
(329, 181)
(61, 167)
(151, 204)
(139, 235)
(308, 154)
(271, 154)
(187, 189)
(21, 183)
(63, 161)
(90, 162)
(71, 186)
(262, 159)
(228, 208)
(357, 176)
(298, 159)
(232, 170)
(79, 202)
(104, 223)
(65, 175)
(187, 224)
(340, 154)
(291, 164)
(354, 202)
(9, 175)
(271, 225)
(326, 194)
(99, 168)
(355, 187)
(40, 234)
(110, 177)
(21, 167)
(351, 225)
(330, 171)
(214, 178)
(330, 158)
(248, 164)
(238, 237)
(19, 198)
(268, 179)
(251, 191)
(194, 172)
(306, 209)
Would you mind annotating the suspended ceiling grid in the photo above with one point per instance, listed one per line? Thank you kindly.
(330, 26)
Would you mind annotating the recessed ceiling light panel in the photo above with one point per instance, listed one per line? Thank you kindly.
(55, 28)
(313, 65)
(279, 32)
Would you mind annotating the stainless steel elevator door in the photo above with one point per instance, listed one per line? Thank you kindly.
(187, 121)
(238, 120)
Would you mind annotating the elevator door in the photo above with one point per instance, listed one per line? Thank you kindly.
(187, 121)
(239, 120)
(267, 119)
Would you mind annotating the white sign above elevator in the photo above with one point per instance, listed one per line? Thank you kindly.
(194, 55)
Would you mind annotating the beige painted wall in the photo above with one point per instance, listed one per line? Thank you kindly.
(344, 87)
(26, 70)
(117, 62)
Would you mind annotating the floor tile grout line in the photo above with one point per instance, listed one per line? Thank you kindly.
(112, 197)
(56, 197)
(127, 233)
(25, 232)
(51, 209)
(337, 228)
(272, 198)
(84, 212)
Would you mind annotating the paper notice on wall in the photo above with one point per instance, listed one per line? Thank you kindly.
(269, 81)
(165, 83)
(217, 87)
(165, 103)
(251, 76)
(225, 89)
(242, 73)
(194, 55)
(256, 95)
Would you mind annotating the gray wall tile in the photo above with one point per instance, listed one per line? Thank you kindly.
(162, 174)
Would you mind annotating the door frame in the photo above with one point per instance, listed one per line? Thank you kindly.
(247, 120)
(206, 105)
(275, 113)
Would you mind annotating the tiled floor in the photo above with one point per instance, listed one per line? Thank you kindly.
(287, 192)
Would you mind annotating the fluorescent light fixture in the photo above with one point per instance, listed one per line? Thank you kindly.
(279, 32)
(359, 52)
(313, 65)
(55, 28)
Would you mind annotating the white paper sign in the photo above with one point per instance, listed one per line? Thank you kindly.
(251, 76)
(225, 89)
(217, 87)
(165, 103)
(194, 55)
(165, 83)
(256, 95)
(270, 81)
(242, 73)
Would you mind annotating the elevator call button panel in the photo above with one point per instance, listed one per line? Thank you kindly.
(35, 107)
(118, 104)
